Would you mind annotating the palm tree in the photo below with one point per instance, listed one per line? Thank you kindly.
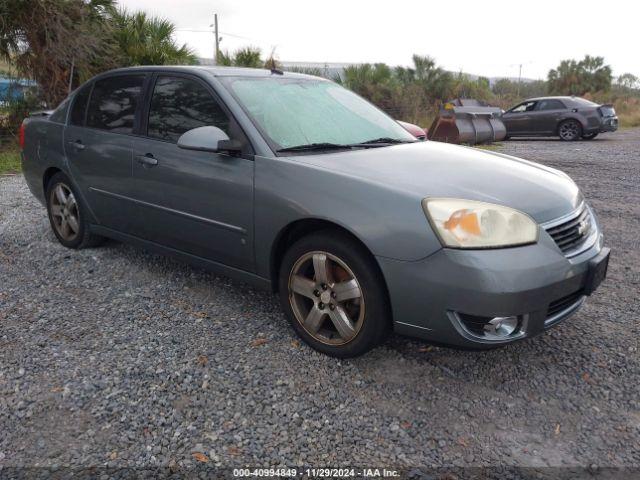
(55, 41)
(145, 40)
(248, 57)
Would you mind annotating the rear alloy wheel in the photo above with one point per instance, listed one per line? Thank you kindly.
(333, 295)
(66, 214)
(589, 136)
(570, 130)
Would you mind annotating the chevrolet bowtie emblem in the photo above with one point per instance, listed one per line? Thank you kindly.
(583, 227)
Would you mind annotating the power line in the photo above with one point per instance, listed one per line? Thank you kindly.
(212, 31)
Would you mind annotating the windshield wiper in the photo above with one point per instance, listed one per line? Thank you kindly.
(384, 140)
(376, 142)
(314, 146)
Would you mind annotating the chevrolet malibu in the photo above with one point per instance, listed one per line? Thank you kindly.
(292, 183)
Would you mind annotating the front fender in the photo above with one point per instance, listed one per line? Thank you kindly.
(391, 223)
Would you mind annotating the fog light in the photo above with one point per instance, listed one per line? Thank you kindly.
(501, 326)
(490, 329)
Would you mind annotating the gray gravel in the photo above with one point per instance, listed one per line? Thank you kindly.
(114, 356)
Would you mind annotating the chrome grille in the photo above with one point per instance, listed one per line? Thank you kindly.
(572, 231)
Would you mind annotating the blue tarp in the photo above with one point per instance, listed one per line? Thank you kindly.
(14, 88)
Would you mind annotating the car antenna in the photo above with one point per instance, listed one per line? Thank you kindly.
(277, 71)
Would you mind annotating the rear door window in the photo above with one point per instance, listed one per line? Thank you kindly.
(114, 102)
(550, 105)
(180, 104)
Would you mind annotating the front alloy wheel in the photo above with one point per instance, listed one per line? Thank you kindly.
(334, 294)
(326, 298)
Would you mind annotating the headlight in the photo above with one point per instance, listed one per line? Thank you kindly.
(471, 224)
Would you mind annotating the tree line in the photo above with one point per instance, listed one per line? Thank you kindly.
(415, 93)
(61, 43)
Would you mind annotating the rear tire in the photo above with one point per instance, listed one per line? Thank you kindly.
(589, 136)
(570, 130)
(333, 294)
(68, 215)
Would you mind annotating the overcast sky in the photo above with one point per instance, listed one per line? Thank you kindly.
(485, 37)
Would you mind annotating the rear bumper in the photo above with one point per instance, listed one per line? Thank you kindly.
(32, 178)
(607, 124)
(535, 283)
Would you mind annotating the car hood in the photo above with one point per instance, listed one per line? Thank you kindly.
(434, 169)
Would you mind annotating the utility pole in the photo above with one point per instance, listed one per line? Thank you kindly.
(73, 65)
(215, 27)
(519, 79)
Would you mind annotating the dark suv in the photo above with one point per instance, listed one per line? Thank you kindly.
(570, 118)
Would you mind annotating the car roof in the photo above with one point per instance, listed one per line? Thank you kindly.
(565, 97)
(216, 71)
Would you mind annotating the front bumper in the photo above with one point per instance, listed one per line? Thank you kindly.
(536, 283)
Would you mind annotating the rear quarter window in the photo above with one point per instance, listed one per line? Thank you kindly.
(60, 113)
(79, 108)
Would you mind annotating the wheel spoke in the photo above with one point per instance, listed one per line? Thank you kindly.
(61, 195)
(303, 286)
(56, 210)
(71, 202)
(347, 290)
(342, 323)
(313, 322)
(321, 267)
(73, 223)
(64, 227)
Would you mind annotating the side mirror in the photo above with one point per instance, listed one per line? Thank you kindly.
(208, 139)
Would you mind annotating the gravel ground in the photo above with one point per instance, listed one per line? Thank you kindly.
(114, 356)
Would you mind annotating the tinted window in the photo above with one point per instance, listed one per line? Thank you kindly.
(583, 102)
(79, 109)
(179, 104)
(113, 103)
(550, 105)
(60, 113)
(524, 107)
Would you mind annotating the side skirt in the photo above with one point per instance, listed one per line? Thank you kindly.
(210, 265)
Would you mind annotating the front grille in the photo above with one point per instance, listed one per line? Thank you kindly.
(563, 303)
(572, 232)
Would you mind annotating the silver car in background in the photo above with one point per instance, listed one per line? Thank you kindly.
(293, 183)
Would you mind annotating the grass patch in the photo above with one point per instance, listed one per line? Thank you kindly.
(629, 120)
(489, 146)
(9, 159)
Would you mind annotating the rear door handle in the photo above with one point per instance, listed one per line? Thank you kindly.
(147, 160)
(77, 144)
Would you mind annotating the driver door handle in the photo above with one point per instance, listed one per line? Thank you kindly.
(147, 160)
(77, 144)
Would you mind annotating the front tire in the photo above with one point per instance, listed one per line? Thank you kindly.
(333, 294)
(67, 214)
(570, 130)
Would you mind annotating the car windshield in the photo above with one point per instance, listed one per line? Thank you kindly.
(299, 112)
